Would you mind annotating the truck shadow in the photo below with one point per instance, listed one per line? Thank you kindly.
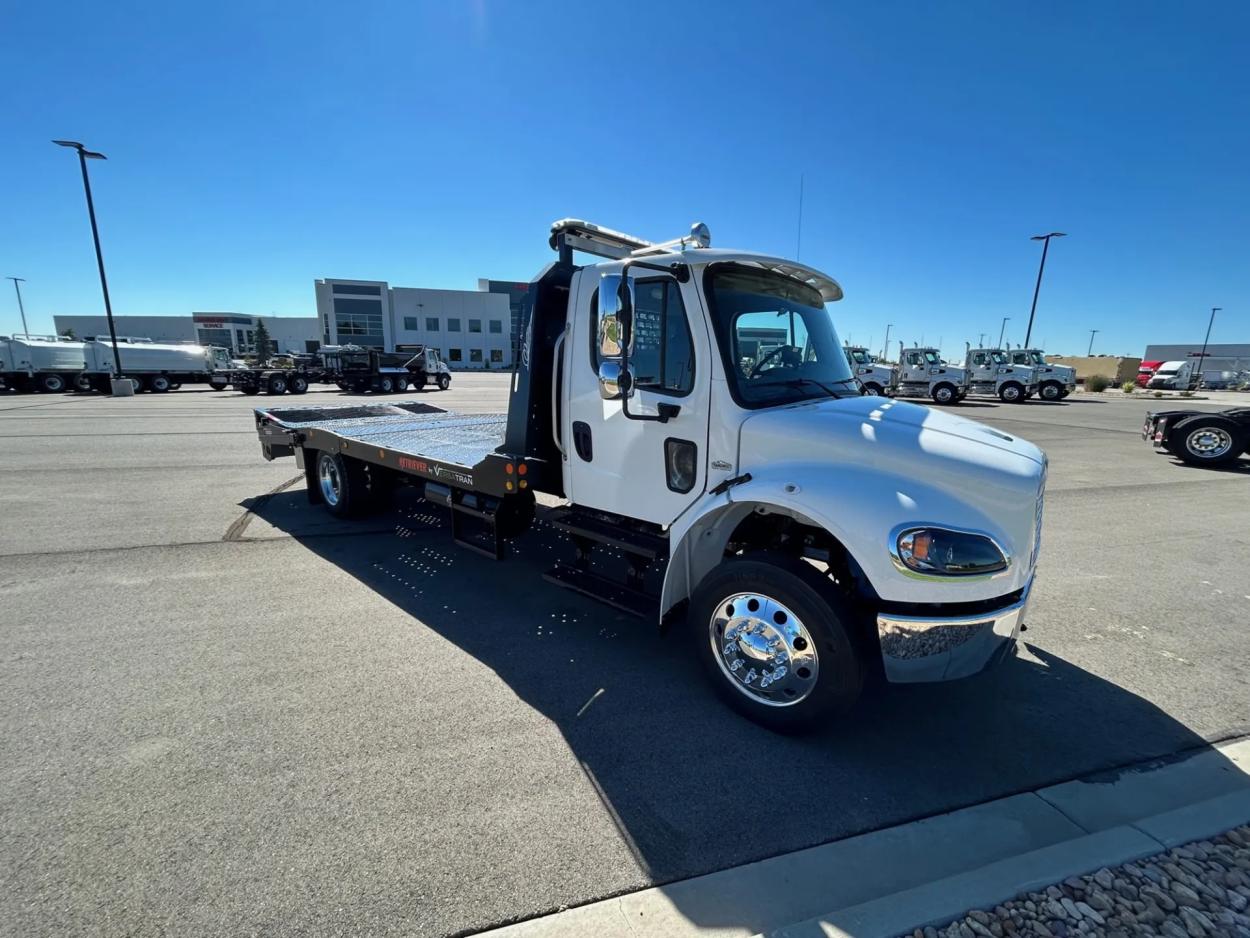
(691, 787)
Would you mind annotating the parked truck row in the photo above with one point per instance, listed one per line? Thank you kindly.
(51, 364)
(1011, 375)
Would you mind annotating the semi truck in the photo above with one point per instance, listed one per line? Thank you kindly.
(1054, 382)
(358, 369)
(1200, 438)
(690, 418)
(923, 373)
(153, 366)
(47, 363)
(1174, 376)
(876, 377)
(992, 373)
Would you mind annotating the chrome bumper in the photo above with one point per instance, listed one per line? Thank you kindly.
(916, 649)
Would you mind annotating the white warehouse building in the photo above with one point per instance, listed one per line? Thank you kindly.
(233, 331)
(471, 329)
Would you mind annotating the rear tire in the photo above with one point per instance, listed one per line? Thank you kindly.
(277, 385)
(801, 635)
(343, 484)
(298, 384)
(944, 393)
(51, 383)
(385, 385)
(159, 384)
(1207, 440)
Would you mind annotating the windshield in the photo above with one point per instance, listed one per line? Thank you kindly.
(777, 338)
(858, 356)
(1166, 371)
(1036, 357)
(1000, 358)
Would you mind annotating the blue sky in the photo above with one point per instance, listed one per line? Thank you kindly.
(256, 146)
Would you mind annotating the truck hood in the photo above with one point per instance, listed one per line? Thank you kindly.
(861, 466)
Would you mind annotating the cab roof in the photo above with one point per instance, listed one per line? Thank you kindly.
(828, 288)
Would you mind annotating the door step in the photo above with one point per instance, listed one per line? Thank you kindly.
(604, 590)
(602, 530)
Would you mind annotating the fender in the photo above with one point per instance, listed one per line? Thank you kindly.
(859, 506)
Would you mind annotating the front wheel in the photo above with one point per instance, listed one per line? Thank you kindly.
(1207, 440)
(773, 638)
(1011, 393)
(872, 389)
(444, 382)
(1051, 391)
(943, 394)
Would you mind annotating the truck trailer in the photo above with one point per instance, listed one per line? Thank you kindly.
(47, 363)
(691, 410)
(154, 366)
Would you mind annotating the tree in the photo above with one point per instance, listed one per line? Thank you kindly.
(262, 342)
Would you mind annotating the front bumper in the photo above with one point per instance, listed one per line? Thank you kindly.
(916, 649)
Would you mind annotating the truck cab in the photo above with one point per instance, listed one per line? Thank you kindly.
(714, 468)
(1054, 382)
(1145, 371)
(923, 373)
(1173, 376)
(875, 377)
(993, 374)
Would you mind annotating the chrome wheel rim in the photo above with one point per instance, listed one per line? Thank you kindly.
(1050, 392)
(763, 649)
(871, 391)
(331, 483)
(1010, 394)
(943, 395)
(1209, 442)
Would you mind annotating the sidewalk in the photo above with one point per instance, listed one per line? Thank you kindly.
(933, 871)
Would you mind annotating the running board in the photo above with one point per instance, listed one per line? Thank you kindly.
(601, 530)
(604, 590)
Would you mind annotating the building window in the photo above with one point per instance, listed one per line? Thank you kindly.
(475, 325)
(359, 322)
(431, 323)
(496, 327)
(496, 356)
(453, 324)
(475, 355)
(410, 323)
(453, 355)
(357, 289)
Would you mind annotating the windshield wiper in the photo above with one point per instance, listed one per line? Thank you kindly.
(799, 382)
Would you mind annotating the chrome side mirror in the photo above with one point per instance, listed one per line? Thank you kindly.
(616, 316)
(616, 382)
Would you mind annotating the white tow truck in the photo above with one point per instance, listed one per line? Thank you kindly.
(1054, 382)
(993, 374)
(691, 411)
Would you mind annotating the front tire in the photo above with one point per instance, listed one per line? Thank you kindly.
(1011, 393)
(773, 639)
(50, 383)
(1051, 391)
(1206, 440)
(944, 394)
(872, 389)
(444, 382)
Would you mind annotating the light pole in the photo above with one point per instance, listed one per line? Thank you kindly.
(1002, 330)
(121, 387)
(1090, 351)
(1202, 359)
(885, 349)
(17, 281)
(1045, 239)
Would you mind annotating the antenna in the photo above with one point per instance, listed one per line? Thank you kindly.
(798, 241)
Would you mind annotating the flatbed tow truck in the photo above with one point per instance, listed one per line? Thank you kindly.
(692, 411)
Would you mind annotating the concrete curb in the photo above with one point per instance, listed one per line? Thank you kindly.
(933, 870)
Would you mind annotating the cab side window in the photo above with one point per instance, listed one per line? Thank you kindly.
(662, 359)
(913, 358)
(978, 358)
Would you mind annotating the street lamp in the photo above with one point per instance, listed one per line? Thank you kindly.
(1090, 351)
(1045, 239)
(121, 386)
(20, 308)
(1202, 360)
(1001, 330)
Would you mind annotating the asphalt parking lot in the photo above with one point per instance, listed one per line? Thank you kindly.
(224, 712)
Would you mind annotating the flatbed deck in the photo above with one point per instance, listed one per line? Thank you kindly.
(410, 437)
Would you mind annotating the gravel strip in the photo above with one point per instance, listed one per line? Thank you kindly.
(1192, 891)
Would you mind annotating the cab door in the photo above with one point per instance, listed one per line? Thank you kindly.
(638, 468)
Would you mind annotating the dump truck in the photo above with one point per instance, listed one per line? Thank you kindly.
(47, 363)
(689, 416)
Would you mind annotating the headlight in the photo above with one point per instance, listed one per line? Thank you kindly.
(933, 551)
